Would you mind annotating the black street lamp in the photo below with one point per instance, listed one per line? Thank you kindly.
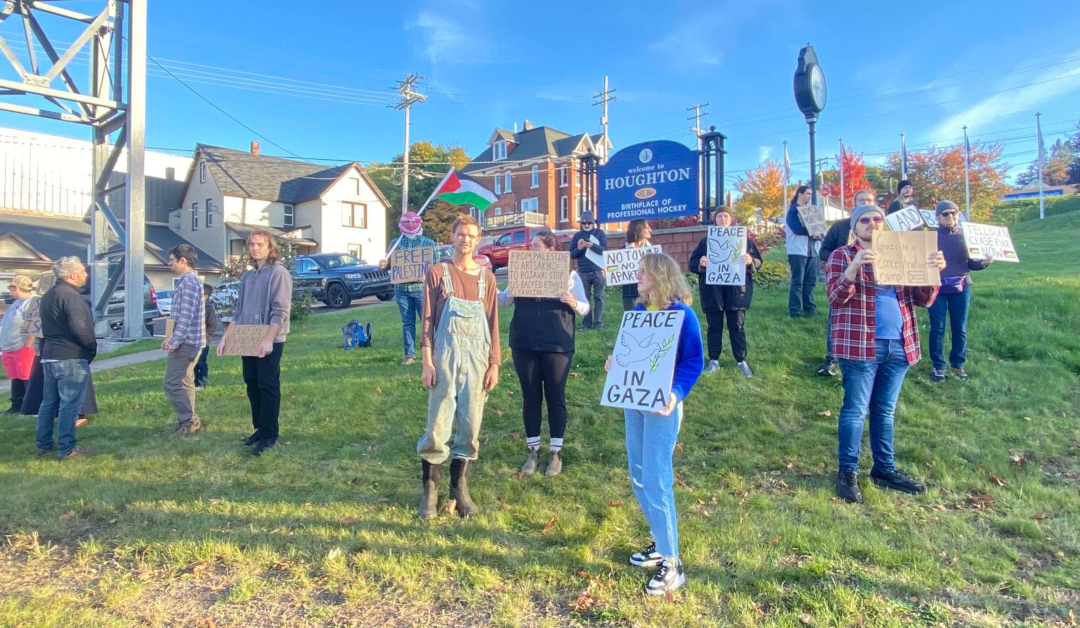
(810, 96)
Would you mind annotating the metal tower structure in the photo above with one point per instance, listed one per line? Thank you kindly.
(111, 107)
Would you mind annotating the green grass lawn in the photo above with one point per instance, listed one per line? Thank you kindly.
(322, 530)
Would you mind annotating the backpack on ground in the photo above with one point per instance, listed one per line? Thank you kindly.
(356, 334)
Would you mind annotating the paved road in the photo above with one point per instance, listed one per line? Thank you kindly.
(319, 308)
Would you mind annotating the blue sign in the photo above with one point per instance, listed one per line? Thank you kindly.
(1035, 194)
(649, 180)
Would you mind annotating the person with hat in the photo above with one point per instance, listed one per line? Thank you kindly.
(409, 296)
(954, 297)
(590, 237)
(905, 197)
(875, 338)
(16, 343)
(730, 302)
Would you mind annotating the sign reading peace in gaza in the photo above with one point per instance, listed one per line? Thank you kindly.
(621, 265)
(648, 180)
(727, 246)
(643, 363)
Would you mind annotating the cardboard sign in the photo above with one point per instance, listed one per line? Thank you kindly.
(727, 246)
(622, 264)
(813, 218)
(907, 219)
(539, 274)
(410, 265)
(903, 258)
(32, 318)
(244, 339)
(593, 256)
(643, 363)
(985, 241)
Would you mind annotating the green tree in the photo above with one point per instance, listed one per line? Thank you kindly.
(1056, 170)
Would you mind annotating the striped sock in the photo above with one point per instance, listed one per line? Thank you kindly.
(556, 445)
(533, 442)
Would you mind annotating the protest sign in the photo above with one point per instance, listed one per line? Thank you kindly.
(244, 339)
(32, 318)
(593, 256)
(410, 265)
(727, 246)
(643, 363)
(986, 241)
(813, 218)
(929, 218)
(622, 264)
(906, 219)
(539, 274)
(903, 258)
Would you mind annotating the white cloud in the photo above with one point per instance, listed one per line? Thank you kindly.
(763, 152)
(1044, 88)
(690, 44)
(446, 39)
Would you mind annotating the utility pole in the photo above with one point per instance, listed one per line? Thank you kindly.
(409, 97)
(697, 117)
(603, 98)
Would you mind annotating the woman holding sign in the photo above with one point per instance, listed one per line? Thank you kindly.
(730, 302)
(651, 436)
(637, 236)
(542, 343)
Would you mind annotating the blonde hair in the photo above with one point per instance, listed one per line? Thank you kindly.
(668, 282)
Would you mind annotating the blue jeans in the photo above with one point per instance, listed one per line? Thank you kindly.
(803, 280)
(650, 444)
(956, 307)
(411, 306)
(828, 338)
(62, 397)
(871, 387)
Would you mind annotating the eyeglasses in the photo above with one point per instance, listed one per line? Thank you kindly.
(585, 224)
(948, 213)
(877, 220)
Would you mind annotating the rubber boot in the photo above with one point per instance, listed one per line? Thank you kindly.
(459, 488)
(429, 501)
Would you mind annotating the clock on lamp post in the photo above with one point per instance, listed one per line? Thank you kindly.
(810, 96)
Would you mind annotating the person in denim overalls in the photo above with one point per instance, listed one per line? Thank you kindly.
(460, 367)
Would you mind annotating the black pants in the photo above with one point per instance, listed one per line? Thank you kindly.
(595, 284)
(263, 379)
(736, 320)
(18, 392)
(202, 371)
(543, 376)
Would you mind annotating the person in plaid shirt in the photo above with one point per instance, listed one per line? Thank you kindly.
(186, 342)
(409, 296)
(875, 337)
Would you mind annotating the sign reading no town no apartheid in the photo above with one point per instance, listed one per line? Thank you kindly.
(622, 264)
(649, 180)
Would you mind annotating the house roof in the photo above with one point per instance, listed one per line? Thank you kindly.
(537, 142)
(244, 230)
(240, 174)
(56, 237)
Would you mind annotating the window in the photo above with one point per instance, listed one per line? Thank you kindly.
(202, 172)
(354, 215)
(519, 237)
(195, 216)
(562, 177)
(498, 211)
(209, 213)
(536, 176)
(579, 206)
(354, 250)
(288, 216)
(562, 208)
(305, 266)
(498, 184)
(498, 150)
(578, 170)
(506, 183)
(530, 204)
(503, 240)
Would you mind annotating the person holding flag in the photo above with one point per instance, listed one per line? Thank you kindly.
(409, 296)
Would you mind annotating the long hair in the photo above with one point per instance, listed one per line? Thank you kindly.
(799, 190)
(271, 243)
(668, 282)
(635, 231)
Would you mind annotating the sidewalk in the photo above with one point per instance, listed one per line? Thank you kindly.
(109, 363)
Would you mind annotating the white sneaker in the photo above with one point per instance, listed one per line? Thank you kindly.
(713, 367)
(647, 557)
(669, 576)
(745, 369)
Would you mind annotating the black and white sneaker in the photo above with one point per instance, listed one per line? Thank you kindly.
(647, 557)
(669, 576)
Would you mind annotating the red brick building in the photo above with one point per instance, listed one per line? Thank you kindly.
(534, 174)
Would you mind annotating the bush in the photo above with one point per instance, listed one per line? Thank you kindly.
(692, 279)
(766, 241)
(771, 273)
(1012, 212)
(302, 302)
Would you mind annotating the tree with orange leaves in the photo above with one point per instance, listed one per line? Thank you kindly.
(938, 174)
(763, 189)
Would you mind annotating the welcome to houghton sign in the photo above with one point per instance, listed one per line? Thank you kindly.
(649, 180)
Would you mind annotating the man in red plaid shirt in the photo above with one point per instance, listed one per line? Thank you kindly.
(875, 337)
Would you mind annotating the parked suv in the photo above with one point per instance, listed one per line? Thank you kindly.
(336, 279)
(499, 250)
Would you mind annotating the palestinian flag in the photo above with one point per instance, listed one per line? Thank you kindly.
(458, 189)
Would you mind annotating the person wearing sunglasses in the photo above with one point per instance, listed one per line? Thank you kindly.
(590, 237)
(875, 338)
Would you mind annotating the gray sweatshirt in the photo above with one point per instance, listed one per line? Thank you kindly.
(265, 298)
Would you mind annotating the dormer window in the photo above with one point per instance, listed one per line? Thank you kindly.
(499, 150)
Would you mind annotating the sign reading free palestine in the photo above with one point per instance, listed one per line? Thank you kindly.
(649, 180)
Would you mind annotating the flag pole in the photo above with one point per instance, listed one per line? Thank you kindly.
(903, 156)
(787, 175)
(422, 208)
(1042, 151)
(967, 177)
(841, 176)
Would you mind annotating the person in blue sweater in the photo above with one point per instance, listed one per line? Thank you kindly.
(651, 436)
(802, 249)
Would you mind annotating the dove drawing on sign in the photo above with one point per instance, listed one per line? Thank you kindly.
(721, 252)
(636, 350)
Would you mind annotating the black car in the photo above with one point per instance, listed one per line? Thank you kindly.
(336, 279)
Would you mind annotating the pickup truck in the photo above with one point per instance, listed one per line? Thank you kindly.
(516, 239)
(336, 279)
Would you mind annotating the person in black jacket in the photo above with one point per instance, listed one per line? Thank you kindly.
(202, 370)
(590, 238)
(68, 329)
(730, 302)
(837, 236)
(905, 196)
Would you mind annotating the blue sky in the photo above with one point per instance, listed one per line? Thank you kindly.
(927, 71)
